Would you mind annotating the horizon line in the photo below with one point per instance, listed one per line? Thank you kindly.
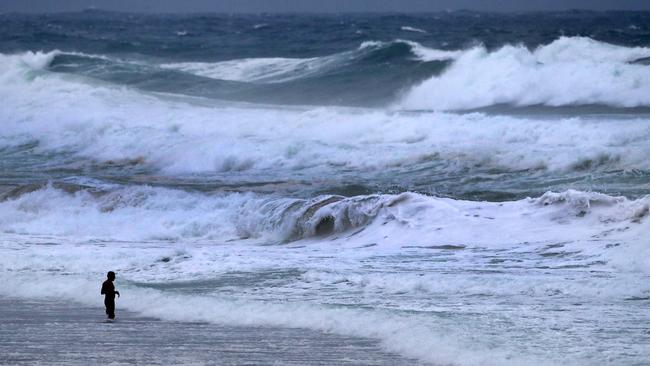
(322, 12)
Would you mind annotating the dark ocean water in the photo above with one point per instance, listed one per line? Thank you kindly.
(467, 188)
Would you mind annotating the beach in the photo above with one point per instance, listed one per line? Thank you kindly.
(61, 333)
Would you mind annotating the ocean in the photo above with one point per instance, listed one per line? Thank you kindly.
(462, 188)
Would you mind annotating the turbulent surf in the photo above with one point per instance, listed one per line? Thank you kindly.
(465, 188)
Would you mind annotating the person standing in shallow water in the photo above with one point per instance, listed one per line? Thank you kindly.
(108, 290)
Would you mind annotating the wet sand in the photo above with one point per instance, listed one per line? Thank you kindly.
(58, 333)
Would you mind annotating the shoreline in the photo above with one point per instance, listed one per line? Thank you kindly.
(57, 333)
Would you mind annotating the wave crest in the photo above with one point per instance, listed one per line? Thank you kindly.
(147, 213)
(279, 69)
(568, 71)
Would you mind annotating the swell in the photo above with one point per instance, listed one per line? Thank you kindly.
(182, 215)
(60, 125)
(279, 70)
(372, 75)
(161, 214)
(570, 71)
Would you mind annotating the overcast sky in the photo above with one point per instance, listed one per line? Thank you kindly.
(317, 5)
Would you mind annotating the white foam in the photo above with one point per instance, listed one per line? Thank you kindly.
(280, 69)
(272, 70)
(408, 337)
(399, 280)
(15, 68)
(269, 69)
(568, 71)
(91, 121)
(144, 213)
(421, 52)
(141, 213)
(431, 54)
(412, 29)
(62, 244)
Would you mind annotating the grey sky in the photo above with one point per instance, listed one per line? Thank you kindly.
(317, 5)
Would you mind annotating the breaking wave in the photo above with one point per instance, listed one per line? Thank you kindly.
(148, 213)
(62, 121)
(278, 70)
(568, 71)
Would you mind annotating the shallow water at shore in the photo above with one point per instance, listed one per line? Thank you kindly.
(66, 333)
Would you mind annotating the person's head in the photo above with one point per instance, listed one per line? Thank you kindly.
(111, 275)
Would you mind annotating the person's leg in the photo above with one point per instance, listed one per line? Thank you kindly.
(110, 308)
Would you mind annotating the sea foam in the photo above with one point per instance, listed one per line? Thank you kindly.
(568, 71)
(98, 122)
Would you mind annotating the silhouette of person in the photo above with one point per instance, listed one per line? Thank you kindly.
(108, 290)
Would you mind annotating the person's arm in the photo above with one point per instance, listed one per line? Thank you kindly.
(103, 289)
(117, 293)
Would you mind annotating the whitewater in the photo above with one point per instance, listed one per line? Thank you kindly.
(461, 188)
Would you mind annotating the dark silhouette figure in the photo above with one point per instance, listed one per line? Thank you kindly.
(108, 290)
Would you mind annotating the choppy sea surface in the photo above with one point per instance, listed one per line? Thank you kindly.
(466, 188)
